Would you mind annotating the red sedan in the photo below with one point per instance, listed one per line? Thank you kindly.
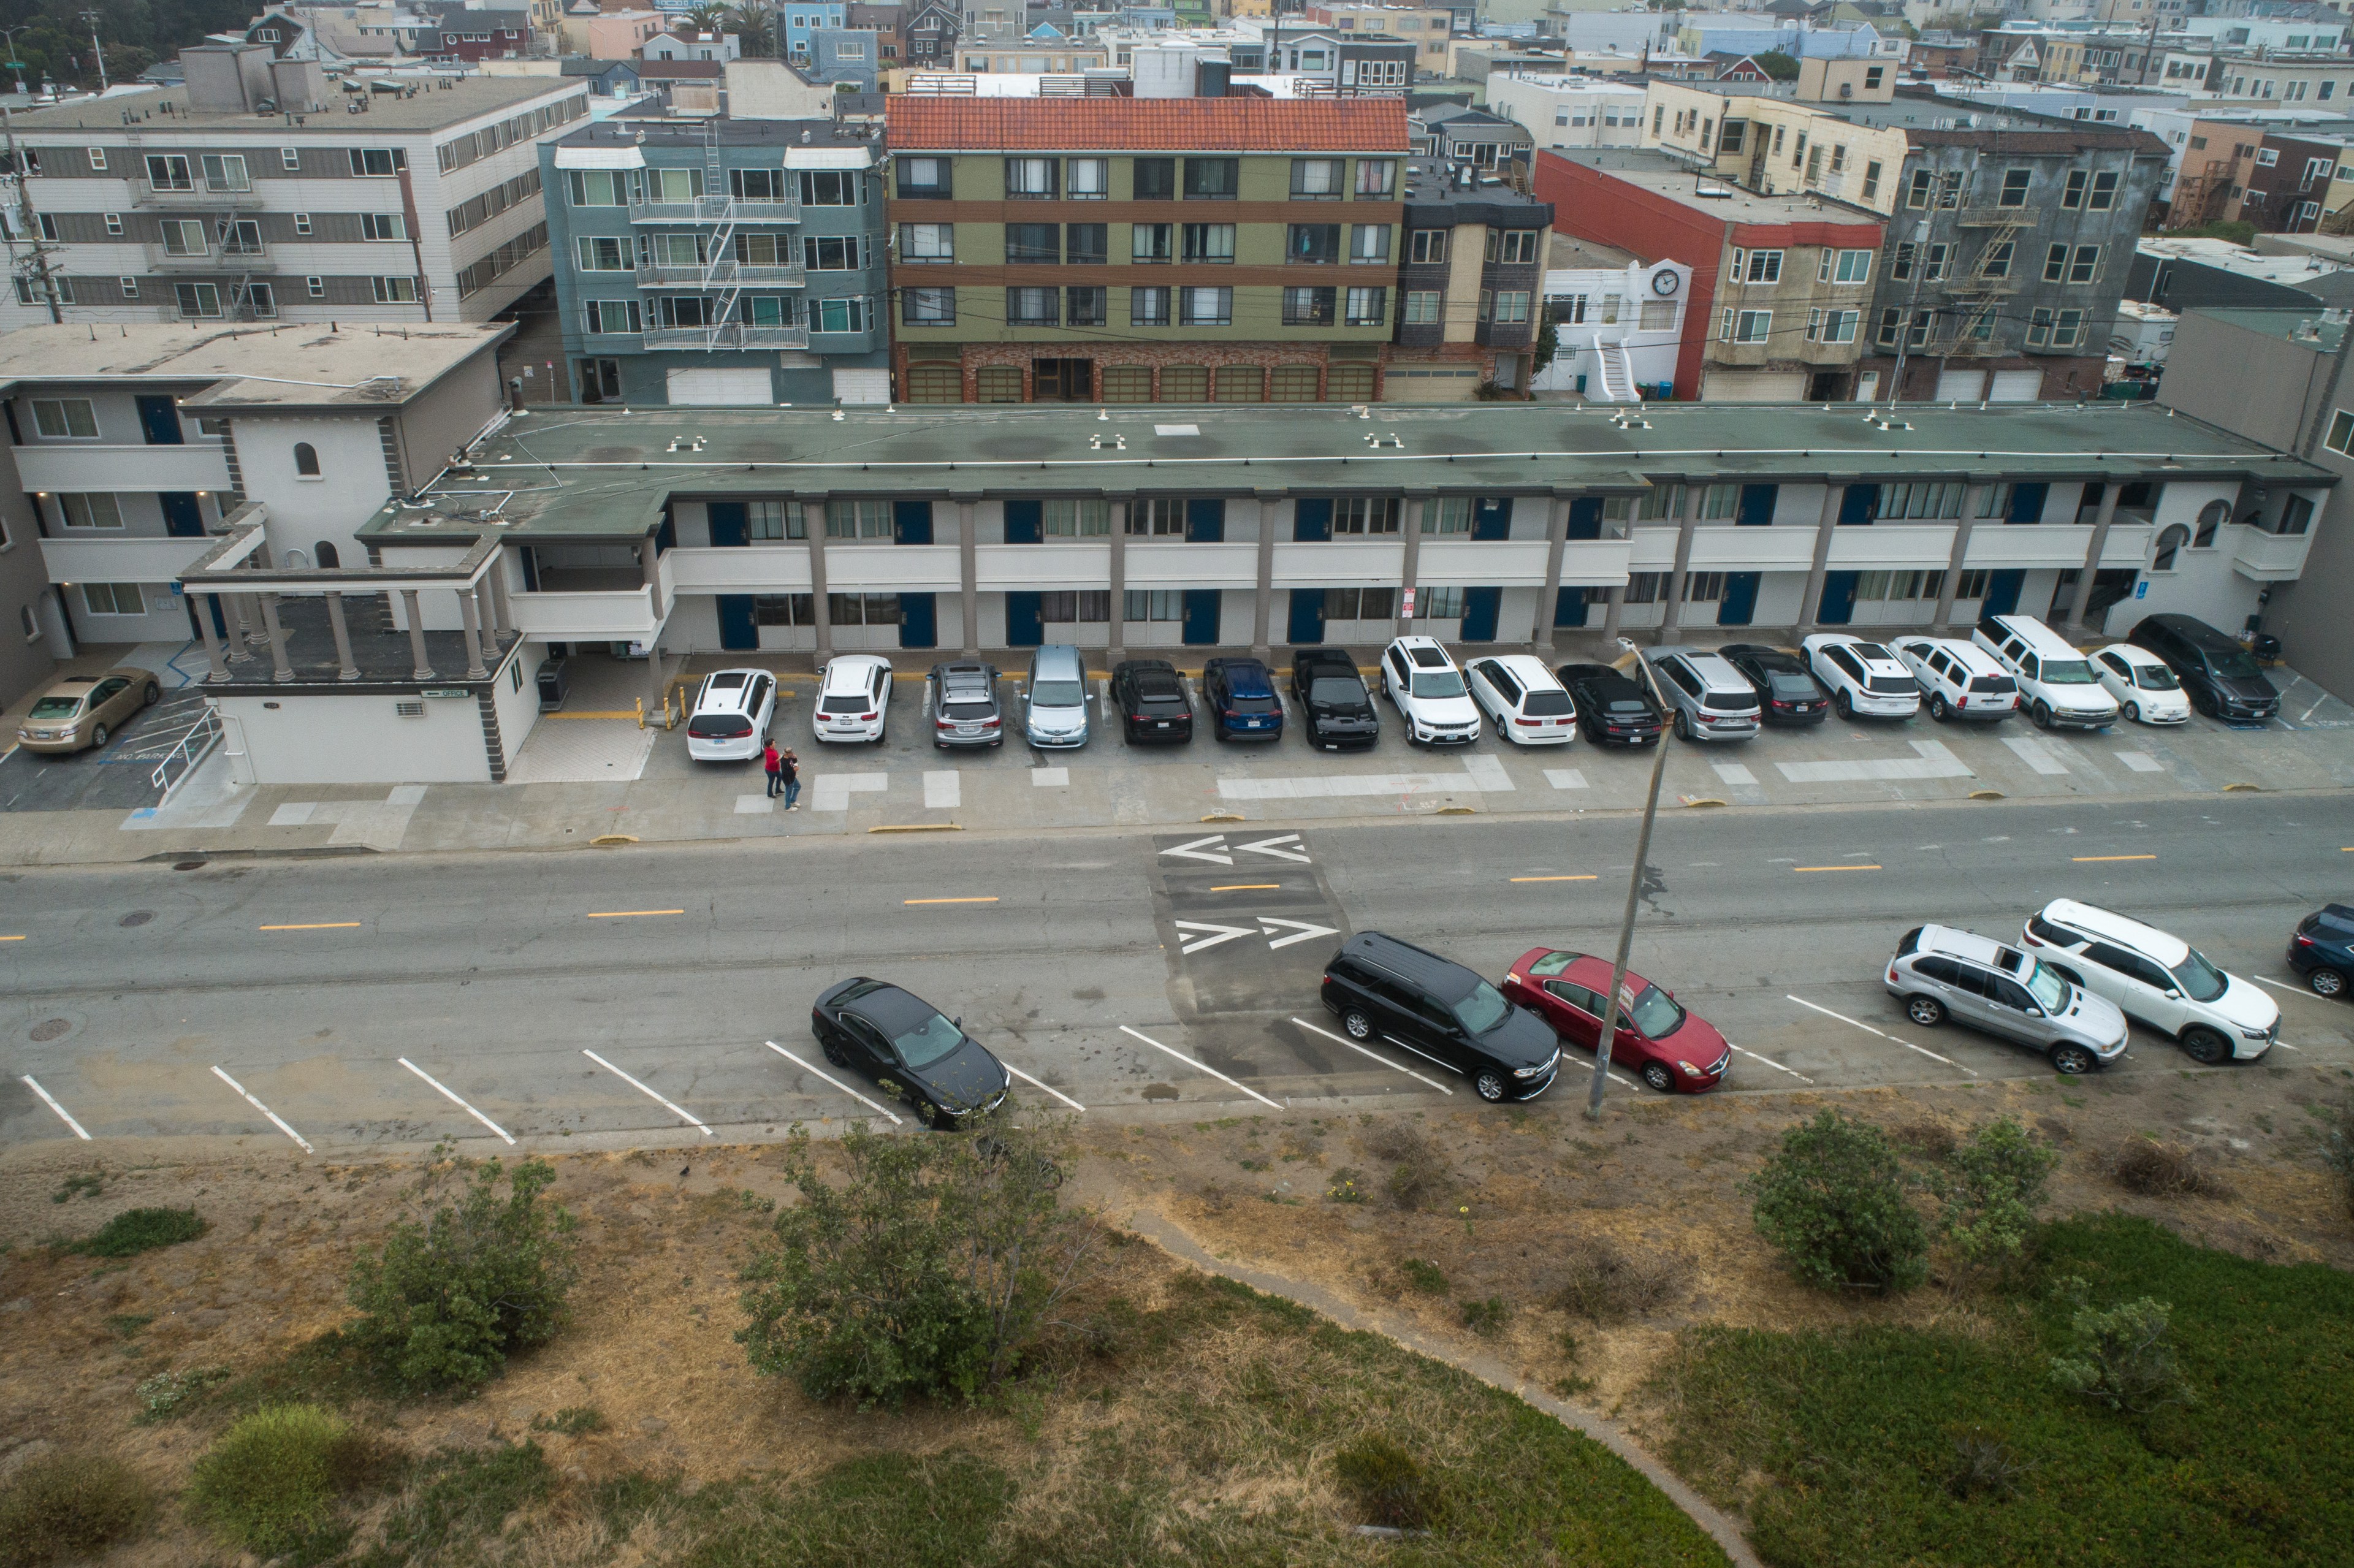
(1656, 1037)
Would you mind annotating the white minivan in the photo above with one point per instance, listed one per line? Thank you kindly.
(2056, 681)
(2157, 979)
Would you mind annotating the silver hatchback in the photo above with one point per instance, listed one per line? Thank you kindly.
(1939, 973)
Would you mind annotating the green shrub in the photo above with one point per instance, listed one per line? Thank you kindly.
(449, 1299)
(142, 1230)
(930, 1268)
(2124, 1358)
(1423, 1275)
(1999, 1174)
(1834, 1200)
(70, 1505)
(572, 1421)
(165, 1394)
(461, 1496)
(1486, 1318)
(270, 1482)
(1387, 1482)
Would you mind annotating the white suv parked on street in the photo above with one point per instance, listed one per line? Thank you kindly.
(1429, 692)
(854, 699)
(1865, 680)
(1961, 679)
(1528, 705)
(732, 710)
(2159, 982)
(2055, 681)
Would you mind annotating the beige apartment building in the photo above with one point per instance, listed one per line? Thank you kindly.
(1775, 146)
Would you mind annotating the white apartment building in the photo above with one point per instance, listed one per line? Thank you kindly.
(264, 190)
(1571, 111)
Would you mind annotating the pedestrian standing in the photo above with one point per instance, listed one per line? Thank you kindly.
(773, 765)
(789, 769)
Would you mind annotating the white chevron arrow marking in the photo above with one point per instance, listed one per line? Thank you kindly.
(1301, 930)
(1208, 936)
(1276, 847)
(1216, 854)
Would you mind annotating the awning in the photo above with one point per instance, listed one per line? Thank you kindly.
(829, 157)
(630, 157)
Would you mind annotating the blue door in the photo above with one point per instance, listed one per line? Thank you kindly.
(183, 518)
(1306, 626)
(1586, 518)
(919, 613)
(1739, 601)
(1200, 618)
(1480, 605)
(1312, 519)
(738, 629)
(159, 421)
(2026, 506)
(1491, 517)
(2002, 591)
(1757, 512)
(1022, 526)
(1023, 626)
(1205, 521)
(1839, 598)
(1569, 608)
(729, 520)
(911, 523)
(1860, 505)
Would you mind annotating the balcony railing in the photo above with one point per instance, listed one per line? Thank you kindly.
(1997, 216)
(714, 209)
(727, 336)
(725, 273)
(50, 466)
(207, 261)
(200, 199)
(2270, 557)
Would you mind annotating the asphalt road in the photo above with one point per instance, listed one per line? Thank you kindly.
(631, 996)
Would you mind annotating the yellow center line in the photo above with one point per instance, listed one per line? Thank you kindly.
(1588, 877)
(11, 938)
(629, 914)
(1803, 868)
(948, 901)
(321, 926)
(2081, 859)
(1248, 887)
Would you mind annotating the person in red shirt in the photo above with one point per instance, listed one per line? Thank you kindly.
(775, 765)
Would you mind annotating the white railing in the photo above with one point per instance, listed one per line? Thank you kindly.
(192, 748)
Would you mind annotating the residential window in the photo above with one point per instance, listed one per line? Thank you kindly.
(2340, 438)
(98, 157)
(169, 172)
(1209, 242)
(1995, 262)
(1438, 604)
(226, 172)
(1871, 180)
(302, 224)
(1763, 267)
(858, 519)
(927, 307)
(1083, 517)
(1358, 604)
(114, 223)
(1149, 242)
(928, 242)
(612, 316)
(1934, 266)
(759, 184)
(2085, 264)
(290, 158)
(1924, 185)
(1317, 179)
(2105, 191)
(1850, 267)
(775, 520)
(1658, 315)
(1032, 244)
(2073, 195)
(1446, 514)
(1369, 244)
(1208, 307)
(600, 187)
(184, 236)
(383, 225)
(839, 315)
(839, 253)
(1032, 179)
(1427, 246)
(130, 287)
(1511, 305)
(1949, 189)
(1159, 516)
(924, 179)
(1422, 307)
(96, 509)
(315, 287)
(1212, 179)
(113, 599)
(603, 254)
(197, 300)
(2014, 183)
(1153, 179)
(1317, 243)
(1914, 502)
(1032, 307)
(1084, 306)
(1376, 177)
(1089, 179)
(377, 163)
(1368, 307)
(1307, 307)
(822, 187)
(1832, 326)
(1746, 326)
(1148, 307)
(1366, 514)
(1900, 260)
(1152, 604)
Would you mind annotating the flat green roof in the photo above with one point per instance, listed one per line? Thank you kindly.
(587, 473)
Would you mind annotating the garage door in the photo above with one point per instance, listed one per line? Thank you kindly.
(2017, 386)
(855, 387)
(1445, 385)
(1961, 386)
(1754, 386)
(725, 387)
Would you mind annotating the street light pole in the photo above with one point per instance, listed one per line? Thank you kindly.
(1634, 895)
(91, 17)
(13, 62)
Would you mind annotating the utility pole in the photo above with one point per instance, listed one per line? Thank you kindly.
(1911, 309)
(91, 17)
(37, 263)
(13, 63)
(1634, 895)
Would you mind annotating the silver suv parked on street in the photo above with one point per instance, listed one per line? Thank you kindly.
(1939, 973)
(1711, 700)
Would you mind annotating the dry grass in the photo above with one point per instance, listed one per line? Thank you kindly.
(2157, 1169)
(1924, 1139)
(1415, 1175)
(1603, 1283)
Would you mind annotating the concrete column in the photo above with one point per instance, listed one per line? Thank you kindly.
(215, 654)
(1260, 645)
(1613, 602)
(650, 559)
(1672, 611)
(1813, 599)
(820, 618)
(346, 667)
(279, 670)
(969, 573)
(482, 597)
(241, 639)
(1417, 514)
(1121, 511)
(497, 578)
(1972, 499)
(424, 670)
(1557, 542)
(475, 670)
(655, 695)
(2101, 521)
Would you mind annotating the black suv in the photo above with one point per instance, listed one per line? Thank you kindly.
(1240, 695)
(1442, 1012)
(2323, 949)
(1787, 693)
(1151, 701)
(2216, 673)
(1611, 709)
(963, 702)
(1326, 686)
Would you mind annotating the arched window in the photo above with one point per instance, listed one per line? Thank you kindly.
(2211, 517)
(324, 554)
(306, 460)
(2169, 540)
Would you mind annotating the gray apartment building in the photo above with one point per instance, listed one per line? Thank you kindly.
(720, 261)
(263, 191)
(1470, 285)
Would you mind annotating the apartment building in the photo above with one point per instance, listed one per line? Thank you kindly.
(719, 260)
(1780, 285)
(1174, 250)
(2290, 181)
(1470, 285)
(416, 204)
(1571, 111)
(1776, 144)
(1424, 27)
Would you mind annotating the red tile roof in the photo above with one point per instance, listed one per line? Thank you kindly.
(1156, 125)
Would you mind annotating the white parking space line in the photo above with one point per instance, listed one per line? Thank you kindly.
(1734, 773)
(2035, 754)
(641, 1088)
(1565, 777)
(2284, 985)
(943, 791)
(1867, 1029)
(832, 791)
(1771, 1063)
(1359, 1050)
(2139, 762)
(1041, 1083)
(63, 1114)
(1932, 759)
(1051, 777)
(830, 1078)
(754, 806)
(1198, 1066)
(265, 1110)
(453, 1100)
(1480, 773)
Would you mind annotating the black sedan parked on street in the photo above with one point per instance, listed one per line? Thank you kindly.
(1786, 692)
(873, 1027)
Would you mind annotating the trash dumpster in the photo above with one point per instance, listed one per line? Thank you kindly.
(553, 684)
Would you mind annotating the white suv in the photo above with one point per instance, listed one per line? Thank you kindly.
(732, 710)
(2159, 982)
(1429, 692)
(1866, 681)
(854, 699)
(1527, 704)
(2142, 684)
(1961, 679)
(2055, 681)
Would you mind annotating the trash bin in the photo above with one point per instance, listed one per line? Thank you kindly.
(2266, 648)
(553, 684)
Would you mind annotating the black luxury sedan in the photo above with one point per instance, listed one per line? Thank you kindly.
(1612, 709)
(1330, 692)
(892, 1035)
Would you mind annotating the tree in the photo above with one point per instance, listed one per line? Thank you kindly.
(711, 17)
(2123, 1358)
(447, 1299)
(1989, 1202)
(930, 1267)
(1777, 65)
(1834, 1200)
(754, 29)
